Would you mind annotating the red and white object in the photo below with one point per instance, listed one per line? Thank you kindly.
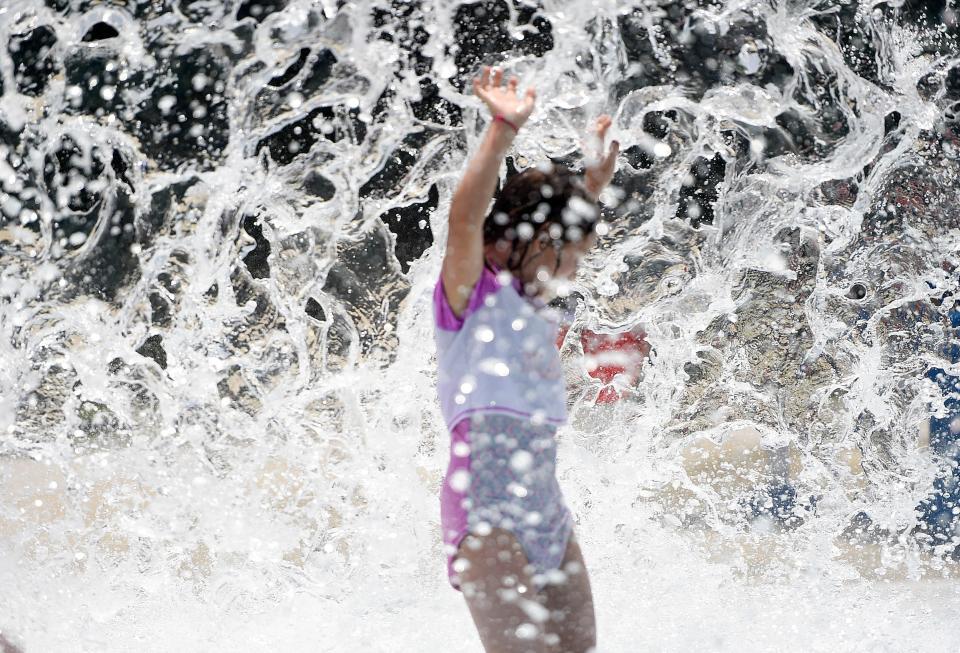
(615, 359)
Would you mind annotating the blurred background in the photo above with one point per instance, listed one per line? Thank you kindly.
(220, 227)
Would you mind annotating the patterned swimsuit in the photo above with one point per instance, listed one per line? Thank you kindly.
(502, 391)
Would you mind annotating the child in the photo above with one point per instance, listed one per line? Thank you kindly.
(506, 529)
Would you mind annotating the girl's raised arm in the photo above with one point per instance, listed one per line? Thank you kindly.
(463, 261)
(600, 167)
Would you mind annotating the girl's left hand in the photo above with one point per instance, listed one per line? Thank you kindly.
(599, 171)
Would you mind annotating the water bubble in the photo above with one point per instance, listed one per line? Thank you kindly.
(535, 611)
(166, 104)
(527, 631)
(494, 367)
(468, 384)
(484, 334)
(857, 291)
(662, 150)
(521, 460)
(583, 208)
(460, 480)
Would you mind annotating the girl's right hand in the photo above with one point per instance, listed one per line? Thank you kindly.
(504, 99)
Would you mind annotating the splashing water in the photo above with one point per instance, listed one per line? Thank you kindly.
(220, 226)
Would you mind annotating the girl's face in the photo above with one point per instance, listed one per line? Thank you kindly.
(545, 268)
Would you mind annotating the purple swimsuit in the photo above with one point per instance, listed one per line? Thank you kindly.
(502, 393)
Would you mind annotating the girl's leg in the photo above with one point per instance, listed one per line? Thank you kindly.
(499, 590)
(571, 605)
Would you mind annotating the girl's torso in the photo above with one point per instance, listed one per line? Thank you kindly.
(499, 356)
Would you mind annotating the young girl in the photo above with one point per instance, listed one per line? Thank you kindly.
(507, 532)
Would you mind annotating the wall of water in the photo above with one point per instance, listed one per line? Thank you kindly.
(220, 226)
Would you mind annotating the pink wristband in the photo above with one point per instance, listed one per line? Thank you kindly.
(499, 118)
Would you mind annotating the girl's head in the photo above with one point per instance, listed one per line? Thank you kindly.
(541, 224)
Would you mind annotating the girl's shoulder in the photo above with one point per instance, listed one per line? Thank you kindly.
(490, 282)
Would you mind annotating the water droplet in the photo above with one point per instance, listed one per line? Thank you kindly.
(521, 460)
(527, 631)
(447, 69)
(494, 367)
(460, 480)
(166, 103)
(484, 334)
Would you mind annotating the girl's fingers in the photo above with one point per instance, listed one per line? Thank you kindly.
(485, 76)
(512, 84)
(481, 93)
(529, 99)
(497, 77)
(610, 159)
(603, 124)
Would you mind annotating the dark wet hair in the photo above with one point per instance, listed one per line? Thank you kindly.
(541, 202)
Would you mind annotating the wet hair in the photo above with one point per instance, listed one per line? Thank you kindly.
(548, 202)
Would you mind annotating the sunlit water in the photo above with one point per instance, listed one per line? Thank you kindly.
(220, 230)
